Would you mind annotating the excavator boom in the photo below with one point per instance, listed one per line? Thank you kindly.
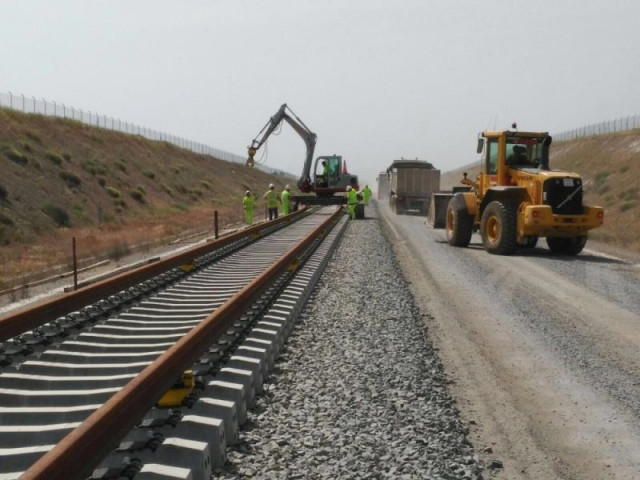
(284, 113)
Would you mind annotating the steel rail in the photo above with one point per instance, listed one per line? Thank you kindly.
(76, 455)
(48, 310)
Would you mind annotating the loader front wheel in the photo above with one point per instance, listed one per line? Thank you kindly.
(498, 227)
(459, 226)
(567, 246)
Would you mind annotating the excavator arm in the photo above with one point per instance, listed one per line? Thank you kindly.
(309, 138)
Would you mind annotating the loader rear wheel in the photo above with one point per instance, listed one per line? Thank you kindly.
(459, 226)
(567, 246)
(498, 227)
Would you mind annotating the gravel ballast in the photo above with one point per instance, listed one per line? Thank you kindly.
(359, 391)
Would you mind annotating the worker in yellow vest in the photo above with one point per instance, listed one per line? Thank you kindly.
(272, 201)
(352, 201)
(248, 202)
(284, 199)
(366, 194)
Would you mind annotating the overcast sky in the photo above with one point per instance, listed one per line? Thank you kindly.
(375, 80)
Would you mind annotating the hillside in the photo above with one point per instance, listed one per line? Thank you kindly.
(60, 178)
(610, 167)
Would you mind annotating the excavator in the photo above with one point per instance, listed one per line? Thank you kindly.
(330, 175)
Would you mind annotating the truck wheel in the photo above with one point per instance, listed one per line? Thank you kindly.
(459, 226)
(498, 227)
(567, 246)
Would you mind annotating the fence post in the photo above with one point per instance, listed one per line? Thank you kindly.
(75, 265)
(34, 104)
(215, 223)
(23, 109)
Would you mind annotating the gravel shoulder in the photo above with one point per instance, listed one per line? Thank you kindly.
(544, 358)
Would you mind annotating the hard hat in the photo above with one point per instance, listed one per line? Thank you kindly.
(247, 192)
(271, 185)
(348, 188)
(287, 187)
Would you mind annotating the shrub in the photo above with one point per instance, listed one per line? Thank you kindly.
(4, 220)
(166, 189)
(57, 214)
(120, 203)
(66, 156)
(624, 169)
(113, 192)
(17, 157)
(54, 157)
(27, 148)
(631, 194)
(102, 181)
(33, 136)
(180, 189)
(4, 193)
(137, 196)
(206, 184)
(121, 166)
(71, 179)
(118, 250)
(627, 205)
(149, 174)
(140, 188)
(94, 167)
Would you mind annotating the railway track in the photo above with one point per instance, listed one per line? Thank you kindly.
(80, 394)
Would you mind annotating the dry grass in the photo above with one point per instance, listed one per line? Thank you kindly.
(163, 192)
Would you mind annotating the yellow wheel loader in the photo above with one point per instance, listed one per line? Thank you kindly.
(517, 198)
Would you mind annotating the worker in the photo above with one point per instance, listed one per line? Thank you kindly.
(366, 194)
(247, 203)
(352, 201)
(272, 201)
(284, 198)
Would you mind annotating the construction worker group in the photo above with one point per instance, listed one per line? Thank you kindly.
(272, 200)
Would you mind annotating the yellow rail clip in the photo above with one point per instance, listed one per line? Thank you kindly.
(177, 394)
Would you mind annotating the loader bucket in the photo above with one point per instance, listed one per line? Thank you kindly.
(438, 209)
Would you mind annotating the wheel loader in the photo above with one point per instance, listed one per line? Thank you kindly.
(517, 198)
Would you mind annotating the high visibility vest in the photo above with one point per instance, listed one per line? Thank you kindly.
(285, 197)
(272, 198)
(248, 201)
(352, 196)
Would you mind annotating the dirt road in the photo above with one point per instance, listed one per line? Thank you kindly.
(542, 351)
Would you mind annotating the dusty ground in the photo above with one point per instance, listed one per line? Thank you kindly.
(542, 352)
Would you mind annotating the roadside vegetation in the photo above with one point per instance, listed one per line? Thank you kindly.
(114, 192)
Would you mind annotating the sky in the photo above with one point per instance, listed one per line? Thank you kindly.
(376, 80)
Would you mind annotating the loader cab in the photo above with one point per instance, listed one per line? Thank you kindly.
(506, 150)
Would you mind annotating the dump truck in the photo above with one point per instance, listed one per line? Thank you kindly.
(411, 183)
(517, 198)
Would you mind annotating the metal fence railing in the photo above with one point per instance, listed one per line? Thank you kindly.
(611, 126)
(44, 107)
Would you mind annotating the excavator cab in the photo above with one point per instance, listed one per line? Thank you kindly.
(331, 176)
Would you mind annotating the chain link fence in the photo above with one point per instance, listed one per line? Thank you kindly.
(33, 105)
(611, 126)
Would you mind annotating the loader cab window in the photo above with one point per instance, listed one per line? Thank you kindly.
(524, 153)
(491, 157)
